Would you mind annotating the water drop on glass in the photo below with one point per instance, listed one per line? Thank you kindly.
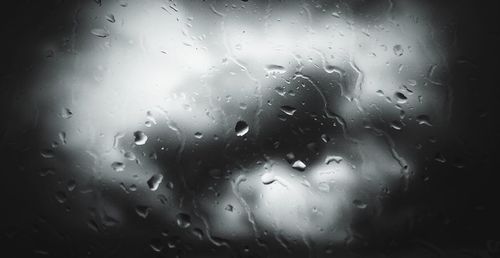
(288, 110)
(299, 165)
(140, 138)
(183, 220)
(154, 182)
(241, 128)
(101, 33)
(118, 166)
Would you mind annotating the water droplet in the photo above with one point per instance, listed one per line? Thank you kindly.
(400, 97)
(118, 166)
(267, 178)
(198, 135)
(61, 197)
(241, 128)
(110, 18)
(398, 50)
(359, 204)
(331, 158)
(440, 158)
(183, 220)
(424, 120)
(154, 182)
(101, 33)
(142, 211)
(198, 233)
(229, 208)
(299, 165)
(288, 110)
(71, 185)
(129, 155)
(140, 138)
(396, 124)
(156, 245)
(62, 137)
(66, 113)
(273, 68)
(48, 154)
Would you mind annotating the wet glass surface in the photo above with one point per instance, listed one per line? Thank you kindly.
(249, 129)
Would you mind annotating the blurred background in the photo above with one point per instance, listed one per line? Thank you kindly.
(249, 129)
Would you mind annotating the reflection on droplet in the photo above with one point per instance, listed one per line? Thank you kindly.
(154, 182)
(118, 166)
(241, 128)
(299, 165)
(288, 110)
(140, 138)
(183, 220)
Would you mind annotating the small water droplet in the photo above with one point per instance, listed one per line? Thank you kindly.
(198, 135)
(66, 113)
(299, 165)
(183, 220)
(140, 138)
(110, 18)
(398, 50)
(331, 158)
(400, 97)
(71, 185)
(101, 33)
(397, 124)
(273, 68)
(154, 182)
(61, 197)
(267, 178)
(48, 154)
(359, 204)
(288, 110)
(229, 208)
(142, 211)
(424, 120)
(241, 128)
(118, 166)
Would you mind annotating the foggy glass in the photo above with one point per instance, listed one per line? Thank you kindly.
(248, 129)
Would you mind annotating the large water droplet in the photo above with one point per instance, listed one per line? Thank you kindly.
(140, 138)
(154, 182)
(400, 97)
(241, 128)
(299, 165)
